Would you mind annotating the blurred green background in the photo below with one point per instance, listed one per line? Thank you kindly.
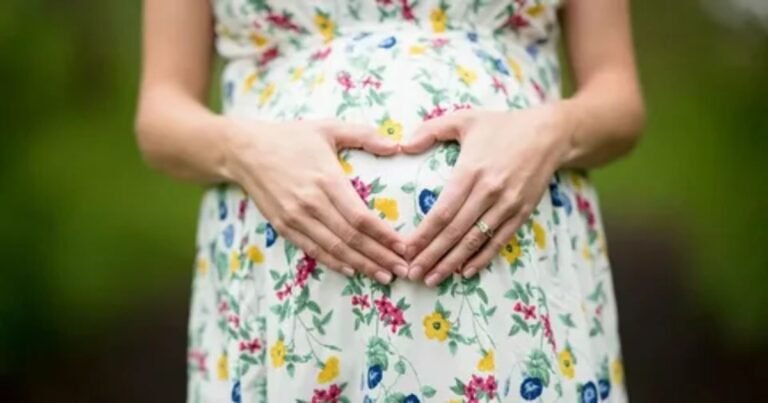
(97, 250)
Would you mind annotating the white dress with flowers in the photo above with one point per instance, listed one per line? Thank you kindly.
(270, 324)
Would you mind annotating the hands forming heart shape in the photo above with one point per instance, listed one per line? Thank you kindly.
(507, 159)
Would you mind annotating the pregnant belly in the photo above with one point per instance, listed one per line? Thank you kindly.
(392, 82)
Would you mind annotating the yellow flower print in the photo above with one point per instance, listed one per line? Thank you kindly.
(392, 129)
(566, 364)
(516, 69)
(539, 235)
(258, 39)
(326, 26)
(577, 182)
(487, 363)
(466, 75)
(436, 327)
(202, 265)
(535, 11)
(586, 253)
(266, 94)
(617, 370)
(345, 165)
(254, 254)
(251, 80)
(318, 81)
(511, 251)
(297, 73)
(330, 370)
(387, 207)
(277, 353)
(439, 19)
(222, 367)
(454, 401)
(417, 49)
(234, 261)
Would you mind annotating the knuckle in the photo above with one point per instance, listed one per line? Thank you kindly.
(474, 242)
(358, 220)
(495, 244)
(452, 233)
(443, 217)
(493, 187)
(337, 248)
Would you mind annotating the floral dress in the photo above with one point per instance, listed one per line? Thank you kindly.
(270, 324)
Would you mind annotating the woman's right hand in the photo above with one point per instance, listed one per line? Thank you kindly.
(292, 173)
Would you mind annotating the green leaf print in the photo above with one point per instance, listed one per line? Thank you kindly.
(451, 152)
(428, 391)
(290, 251)
(520, 323)
(395, 398)
(400, 367)
(409, 187)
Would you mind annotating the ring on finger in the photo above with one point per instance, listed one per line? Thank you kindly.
(484, 228)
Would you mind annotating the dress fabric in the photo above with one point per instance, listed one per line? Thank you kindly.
(270, 324)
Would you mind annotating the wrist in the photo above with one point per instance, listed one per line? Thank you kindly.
(568, 118)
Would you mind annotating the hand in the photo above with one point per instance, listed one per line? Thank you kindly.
(506, 161)
(291, 171)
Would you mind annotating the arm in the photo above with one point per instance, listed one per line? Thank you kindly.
(289, 169)
(177, 134)
(606, 114)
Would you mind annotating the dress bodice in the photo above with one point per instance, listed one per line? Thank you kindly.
(258, 27)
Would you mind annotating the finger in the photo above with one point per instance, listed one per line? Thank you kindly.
(313, 250)
(442, 212)
(354, 210)
(443, 128)
(470, 244)
(350, 135)
(494, 245)
(327, 240)
(359, 241)
(475, 205)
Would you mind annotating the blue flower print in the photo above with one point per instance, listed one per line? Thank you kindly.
(472, 36)
(271, 235)
(236, 398)
(229, 235)
(411, 399)
(604, 385)
(222, 209)
(374, 376)
(558, 198)
(427, 199)
(589, 393)
(531, 388)
(388, 42)
(500, 66)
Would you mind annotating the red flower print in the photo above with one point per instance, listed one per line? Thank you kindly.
(548, 331)
(371, 82)
(282, 21)
(234, 320)
(330, 395)
(439, 42)
(268, 55)
(361, 301)
(389, 313)
(539, 90)
(457, 107)
(251, 346)
(407, 10)
(499, 86)
(223, 306)
(345, 80)
(437, 111)
(363, 190)
(321, 54)
(305, 268)
(488, 385)
(241, 208)
(198, 360)
(285, 292)
(585, 208)
(528, 311)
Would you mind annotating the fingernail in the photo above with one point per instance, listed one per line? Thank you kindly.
(383, 277)
(432, 280)
(414, 272)
(400, 249)
(468, 272)
(401, 270)
(348, 271)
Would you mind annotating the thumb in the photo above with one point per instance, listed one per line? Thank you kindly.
(443, 128)
(349, 135)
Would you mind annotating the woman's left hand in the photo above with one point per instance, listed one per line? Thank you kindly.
(506, 161)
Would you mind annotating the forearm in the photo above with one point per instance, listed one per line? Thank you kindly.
(604, 120)
(181, 137)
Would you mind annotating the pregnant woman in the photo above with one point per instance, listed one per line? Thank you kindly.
(398, 208)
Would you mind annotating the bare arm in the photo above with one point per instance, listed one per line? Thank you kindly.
(606, 114)
(289, 169)
(178, 135)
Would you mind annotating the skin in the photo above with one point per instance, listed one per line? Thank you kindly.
(506, 161)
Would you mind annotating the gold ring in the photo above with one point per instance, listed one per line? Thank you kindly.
(484, 228)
